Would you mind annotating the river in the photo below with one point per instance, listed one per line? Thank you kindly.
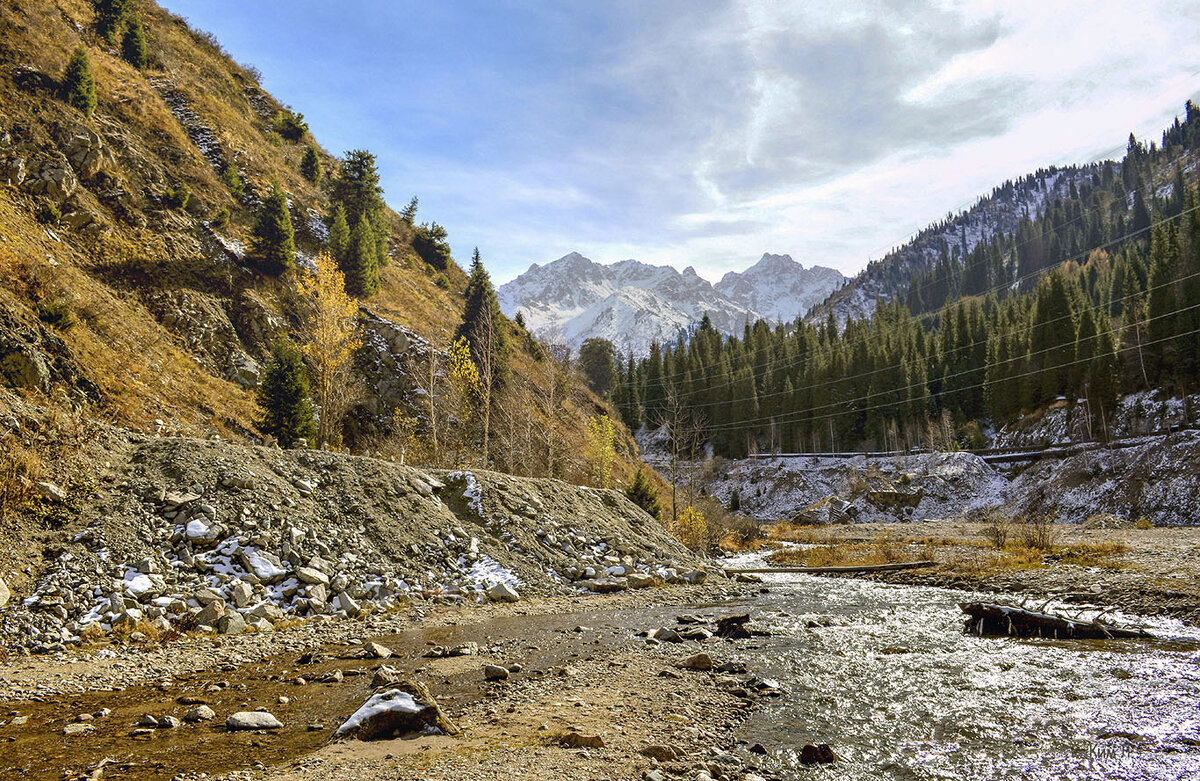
(900, 692)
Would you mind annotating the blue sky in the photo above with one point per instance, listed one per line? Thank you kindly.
(706, 132)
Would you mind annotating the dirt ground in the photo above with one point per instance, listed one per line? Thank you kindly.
(583, 668)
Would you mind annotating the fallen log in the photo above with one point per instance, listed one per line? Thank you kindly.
(994, 620)
(821, 570)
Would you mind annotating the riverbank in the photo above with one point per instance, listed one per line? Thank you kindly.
(1150, 572)
(581, 668)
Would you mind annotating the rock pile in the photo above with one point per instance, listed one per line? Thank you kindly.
(212, 536)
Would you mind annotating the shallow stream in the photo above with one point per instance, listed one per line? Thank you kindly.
(900, 692)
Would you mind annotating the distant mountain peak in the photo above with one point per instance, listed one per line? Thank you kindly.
(633, 304)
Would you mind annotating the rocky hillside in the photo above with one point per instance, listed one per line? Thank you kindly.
(122, 297)
(161, 535)
(633, 304)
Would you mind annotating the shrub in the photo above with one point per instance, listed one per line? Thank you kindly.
(441, 280)
(56, 314)
(1038, 532)
(273, 138)
(221, 221)
(233, 179)
(20, 468)
(48, 214)
(995, 528)
(691, 529)
(1144, 523)
(178, 197)
(643, 493)
(289, 125)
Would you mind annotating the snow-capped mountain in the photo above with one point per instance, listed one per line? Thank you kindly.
(779, 288)
(633, 304)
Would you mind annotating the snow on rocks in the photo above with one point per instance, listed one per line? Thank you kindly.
(399, 711)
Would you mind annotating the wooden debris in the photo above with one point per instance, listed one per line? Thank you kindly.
(847, 568)
(994, 620)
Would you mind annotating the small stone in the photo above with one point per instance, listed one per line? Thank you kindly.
(231, 623)
(661, 753)
(79, 728)
(579, 740)
(494, 672)
(199, 713)
(147, 721)
(168, 722)
(377, 651)
(51, 492)
(700, 661)
(665, 635)
(248, 720)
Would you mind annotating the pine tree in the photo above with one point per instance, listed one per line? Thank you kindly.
(79, 85)
(273, 245)
(310, 165)
(233, 180)
(361, 263)
(134, 49)
(643, 493)
(111, 17)
(482, 322)
(339, 234)
(410, 212)
(283, 397)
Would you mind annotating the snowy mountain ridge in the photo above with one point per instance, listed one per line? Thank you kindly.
(633, 304)
(998, 213)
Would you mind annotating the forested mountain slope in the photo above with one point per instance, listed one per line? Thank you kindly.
(1094, 295)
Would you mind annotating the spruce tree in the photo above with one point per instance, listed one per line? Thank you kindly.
(310, 165)
(283, 397)
(111, 16)
(480, 307)
(273, 245)
(643, 493)
(361, 265)
(134, 49)
(357, 189)
(79, 85)
(339, 234)
(410, 212)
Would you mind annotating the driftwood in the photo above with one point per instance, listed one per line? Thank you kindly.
(820, 570)
(994, 620)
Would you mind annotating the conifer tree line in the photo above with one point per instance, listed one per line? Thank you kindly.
(1095, 296)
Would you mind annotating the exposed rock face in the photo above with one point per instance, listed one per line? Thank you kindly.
(200, 321)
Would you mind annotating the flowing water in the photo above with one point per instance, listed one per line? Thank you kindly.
(900, 692)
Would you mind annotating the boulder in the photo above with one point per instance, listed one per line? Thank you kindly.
(405, 709)
(212, 612)
(266, 566)
(502, 592)
(640, 580)
(819, 754)
(312, 575)
(242, 594)
(665, 635)
(494, 672)
(376, 651)
(51, 492)
(252, 719)
(231, 623)
(24, 366)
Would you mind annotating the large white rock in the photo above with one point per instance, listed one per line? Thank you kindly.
(265, 566)
(502, 592)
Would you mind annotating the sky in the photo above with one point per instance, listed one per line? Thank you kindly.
(707, 132)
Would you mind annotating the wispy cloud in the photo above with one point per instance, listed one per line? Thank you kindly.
(705, 132)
